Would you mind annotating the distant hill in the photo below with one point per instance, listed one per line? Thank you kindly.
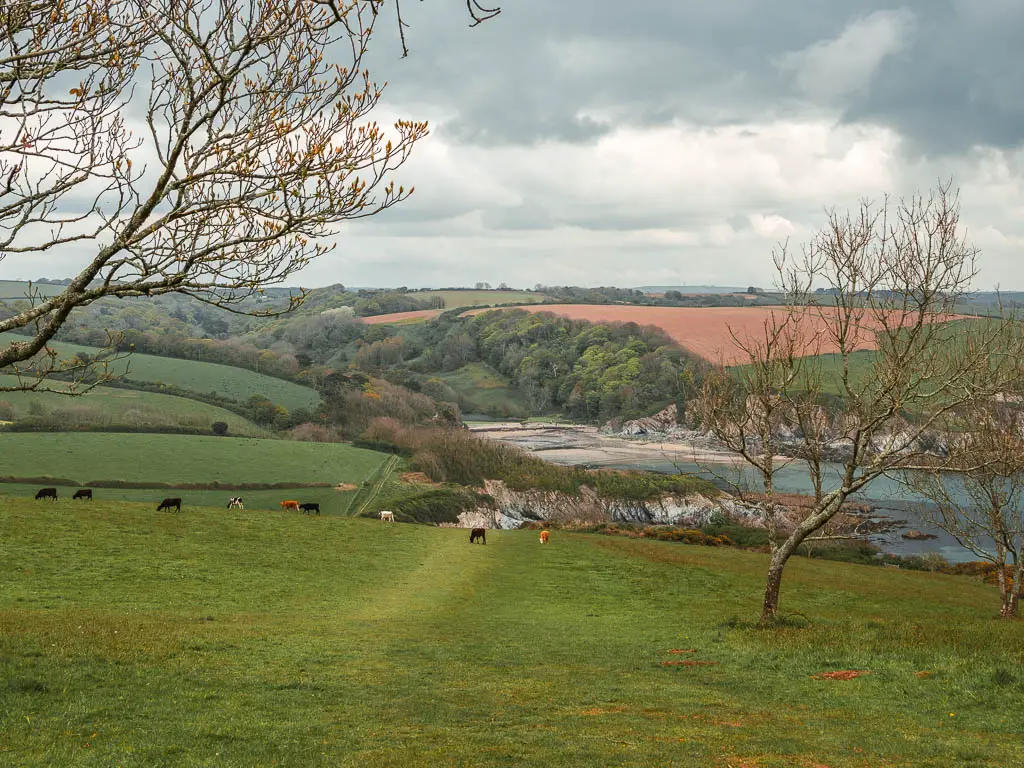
(693, 288)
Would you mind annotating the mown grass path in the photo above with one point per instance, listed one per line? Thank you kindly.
(253, 638)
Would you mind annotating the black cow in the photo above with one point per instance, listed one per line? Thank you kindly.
(84, 493)
(478, 533)
(168, 503)
(47, 493)
(310, 508)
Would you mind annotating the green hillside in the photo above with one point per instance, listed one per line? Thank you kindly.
(226, 638)
(17, 289)
(109, 407)
(234, 383)
(481, 389)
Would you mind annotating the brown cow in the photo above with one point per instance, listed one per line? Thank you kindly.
(290, 505)
(544, 535)
(478, 533)
(47, 493)
(83, 493)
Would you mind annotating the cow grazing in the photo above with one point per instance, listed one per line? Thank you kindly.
(478, 533)
(290, 505)
(544, 536)
(387, 517)
(83, 493)
(47, 493)
(310, 507)
(236, 503)
(168, 504)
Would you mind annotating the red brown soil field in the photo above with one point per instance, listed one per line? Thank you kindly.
(705, 331)
(397, 317)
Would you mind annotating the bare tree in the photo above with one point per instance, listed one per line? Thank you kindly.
(891, 275)
(205, 147)
(981, 507)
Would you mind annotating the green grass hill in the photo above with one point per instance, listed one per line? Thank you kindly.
(255, 638)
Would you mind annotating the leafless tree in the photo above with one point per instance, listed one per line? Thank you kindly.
(205, 147)
(890, 275)
(982, 507)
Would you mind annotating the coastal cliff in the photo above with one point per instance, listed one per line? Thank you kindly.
(511, 508)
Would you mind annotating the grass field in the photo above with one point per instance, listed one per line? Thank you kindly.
(456, 299)
(129, 407)
(132, 638)
(88, 456)
(16, 289)
(481, 389)
(234, 383)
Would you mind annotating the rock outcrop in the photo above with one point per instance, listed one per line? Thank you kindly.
(513, 508)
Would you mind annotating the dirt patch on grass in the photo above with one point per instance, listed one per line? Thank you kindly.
(841, 674)
(345, 487)
(689, 663)
(677, 651)
(418, 478)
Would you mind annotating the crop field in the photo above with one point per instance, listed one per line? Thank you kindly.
(181, 459)
(233, 383)
(481, 389)
(705, 331)
(108, 406)
(456, 299)
(216, 637)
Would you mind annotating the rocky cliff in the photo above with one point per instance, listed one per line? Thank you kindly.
(512, 508)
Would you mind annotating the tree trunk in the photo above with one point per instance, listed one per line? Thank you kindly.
(1011, 598)
(770, 610)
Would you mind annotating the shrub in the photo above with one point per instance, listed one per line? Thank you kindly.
(219, 427)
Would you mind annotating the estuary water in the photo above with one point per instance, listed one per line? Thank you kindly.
(571, 445)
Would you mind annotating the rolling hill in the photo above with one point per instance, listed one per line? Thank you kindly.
(233, 383)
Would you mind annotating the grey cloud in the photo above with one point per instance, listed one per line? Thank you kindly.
(542, 71)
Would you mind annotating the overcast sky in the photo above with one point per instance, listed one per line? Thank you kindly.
(665, 142)
(595, 142)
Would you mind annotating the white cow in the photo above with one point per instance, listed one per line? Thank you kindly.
(236, 503)
(387, 517)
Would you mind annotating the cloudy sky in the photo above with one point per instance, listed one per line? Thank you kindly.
(596, 142)
(664, 142)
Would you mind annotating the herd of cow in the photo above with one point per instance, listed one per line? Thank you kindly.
(235, 502)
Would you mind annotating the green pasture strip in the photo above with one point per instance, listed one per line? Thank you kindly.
(237, 384)
(331, 502)
(456, 299)
(88, 456)
(226, 638)
(12, 290)
(483, 390)
(130, 407)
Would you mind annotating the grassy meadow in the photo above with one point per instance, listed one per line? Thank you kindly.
(181, 459)
(17, 289)
(481, 389)
(227, 381)
(457, 299)
(109, 406)
(131, 638)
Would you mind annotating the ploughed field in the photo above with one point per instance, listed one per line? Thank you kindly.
(203, 471)
(705, 331)
(228, 638)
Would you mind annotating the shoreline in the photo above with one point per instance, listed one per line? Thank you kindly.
(571, 444)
